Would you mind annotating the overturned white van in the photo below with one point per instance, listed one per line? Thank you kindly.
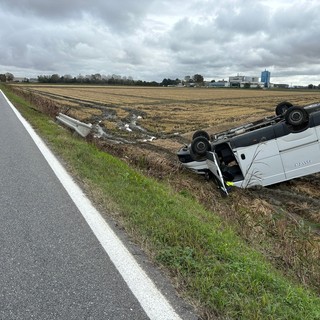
(261, 153)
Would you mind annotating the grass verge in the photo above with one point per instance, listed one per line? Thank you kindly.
(223, 276)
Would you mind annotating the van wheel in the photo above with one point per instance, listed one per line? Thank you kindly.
(283, 107)
(296, 116)
(201, 133)
(200, 146)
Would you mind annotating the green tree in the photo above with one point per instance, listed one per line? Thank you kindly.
(198, 79)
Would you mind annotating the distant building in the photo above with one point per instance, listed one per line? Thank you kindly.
(265, 78)
(244, 82)
(281, 85)
(217, 84)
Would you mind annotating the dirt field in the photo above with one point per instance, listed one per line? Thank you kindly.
(146, 127)
(169, 110)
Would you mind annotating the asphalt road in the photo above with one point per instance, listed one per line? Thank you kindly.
(52, 264)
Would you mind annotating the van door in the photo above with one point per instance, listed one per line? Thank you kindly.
(213, 166)
(261, 164)
(300, 153)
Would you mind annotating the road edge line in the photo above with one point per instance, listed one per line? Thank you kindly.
(150, 298)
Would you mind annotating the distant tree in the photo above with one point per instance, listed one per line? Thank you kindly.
(139, 83)
(198, 79)
(130, 80)
(9, 76)
(153, 84)
(67, 78)
(310, 86)
(80, 78)
(96, 78)
(44, 79)
(3, 78)
(169, 82)
(165, 82)
(55, 78)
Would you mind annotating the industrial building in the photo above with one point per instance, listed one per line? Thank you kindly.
(265, 78)
(245, 82)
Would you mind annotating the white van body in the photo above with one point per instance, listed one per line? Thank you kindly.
(265, 152)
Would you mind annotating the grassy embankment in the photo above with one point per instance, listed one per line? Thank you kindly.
(212, 265)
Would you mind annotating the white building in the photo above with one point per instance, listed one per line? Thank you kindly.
(217, 84)
(245, 81)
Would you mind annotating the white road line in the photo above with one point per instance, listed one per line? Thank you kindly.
(152, 301)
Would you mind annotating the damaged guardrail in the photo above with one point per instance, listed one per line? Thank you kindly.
(81, 128)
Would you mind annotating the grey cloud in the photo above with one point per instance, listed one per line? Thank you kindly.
(118, 15)
(247, 18)
(162, 38)
(295, 18)
(248, 36)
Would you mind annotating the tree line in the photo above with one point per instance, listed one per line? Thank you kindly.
(109, 80)
(93, 78)
(117, 80)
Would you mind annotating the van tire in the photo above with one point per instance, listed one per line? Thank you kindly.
(296, 116)
(283, 107)
(201, 133)
(200, 146)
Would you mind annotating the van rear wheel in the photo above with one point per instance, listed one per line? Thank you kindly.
(296, 116)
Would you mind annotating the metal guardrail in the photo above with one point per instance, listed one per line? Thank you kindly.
(82, 128)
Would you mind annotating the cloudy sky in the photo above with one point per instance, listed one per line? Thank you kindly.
(157, 39)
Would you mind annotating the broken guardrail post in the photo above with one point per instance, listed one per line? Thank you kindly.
(82, 128)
